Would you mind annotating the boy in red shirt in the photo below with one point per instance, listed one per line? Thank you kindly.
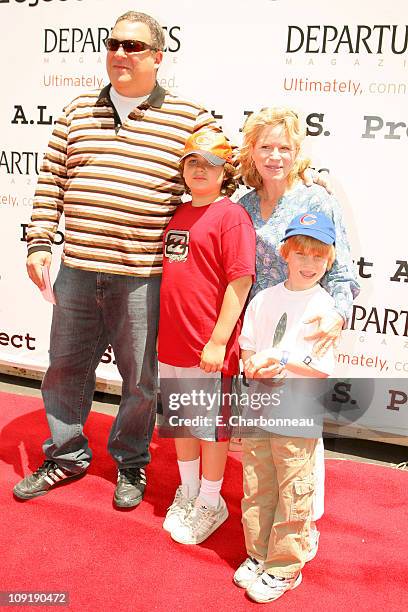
(208, 269)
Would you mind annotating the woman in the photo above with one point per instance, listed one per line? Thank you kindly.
(271, 163)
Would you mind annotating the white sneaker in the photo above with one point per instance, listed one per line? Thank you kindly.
(200, 523)
(314, 536)
(179, 509)
(267, 588)
(247, 572)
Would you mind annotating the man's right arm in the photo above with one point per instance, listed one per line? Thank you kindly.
(35, 262)
(48, 203)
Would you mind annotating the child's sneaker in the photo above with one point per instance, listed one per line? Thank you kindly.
(200, 523)
(314, 536)
(267, 588)
(179, 509)
(247, 572)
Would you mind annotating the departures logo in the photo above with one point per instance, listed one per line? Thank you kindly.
(92, 39)
(19, 163)
(350, 46)
(75, 40)
(33, 3)
(348, 39)
(380, 320)
(387, 321)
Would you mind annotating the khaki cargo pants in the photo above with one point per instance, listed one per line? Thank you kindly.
(276, 508)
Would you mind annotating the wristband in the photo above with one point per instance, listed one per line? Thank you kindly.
(285, 358)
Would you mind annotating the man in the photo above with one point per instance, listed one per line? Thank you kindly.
(111, 168)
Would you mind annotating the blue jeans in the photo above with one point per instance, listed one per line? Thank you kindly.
(94, 310)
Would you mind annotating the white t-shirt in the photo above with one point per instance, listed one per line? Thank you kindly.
(123, 104)
(267, 310)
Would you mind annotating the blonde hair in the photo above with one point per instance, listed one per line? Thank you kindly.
(308, 246)
(252, 129)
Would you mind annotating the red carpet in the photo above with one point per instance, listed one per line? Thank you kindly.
(73, 540)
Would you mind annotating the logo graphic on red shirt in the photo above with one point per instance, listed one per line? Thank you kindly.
(176, 245)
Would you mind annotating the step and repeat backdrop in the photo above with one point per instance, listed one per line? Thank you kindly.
(344, 67)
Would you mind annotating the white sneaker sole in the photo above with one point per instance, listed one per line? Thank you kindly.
(259, 598)
(181, 540)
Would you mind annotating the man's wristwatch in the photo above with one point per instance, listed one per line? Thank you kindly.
(285, 358)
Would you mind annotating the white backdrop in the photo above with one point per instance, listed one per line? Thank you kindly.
(330, 61)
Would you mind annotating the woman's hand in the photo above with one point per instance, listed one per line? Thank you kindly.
(310, 176)
(327, 333)
(212, 357)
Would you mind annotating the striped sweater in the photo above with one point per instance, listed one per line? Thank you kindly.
(117, 184)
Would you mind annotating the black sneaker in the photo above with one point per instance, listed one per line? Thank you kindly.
(47, 476)
(130, 487)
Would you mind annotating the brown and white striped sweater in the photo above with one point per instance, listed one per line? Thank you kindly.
(117, 184)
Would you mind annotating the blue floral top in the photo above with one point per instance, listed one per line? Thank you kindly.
(271, 269)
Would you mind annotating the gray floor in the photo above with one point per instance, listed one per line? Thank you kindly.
(340, 448)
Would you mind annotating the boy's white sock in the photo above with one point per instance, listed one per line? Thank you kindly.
(190, 476)
(210, 492)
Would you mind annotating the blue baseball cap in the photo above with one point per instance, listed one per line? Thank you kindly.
(314, 224)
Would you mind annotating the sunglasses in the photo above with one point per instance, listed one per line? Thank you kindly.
(129, 46)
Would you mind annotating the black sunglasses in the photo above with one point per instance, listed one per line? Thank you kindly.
(129, 46)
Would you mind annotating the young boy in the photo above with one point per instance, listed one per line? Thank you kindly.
(208, 268)
(278, 470)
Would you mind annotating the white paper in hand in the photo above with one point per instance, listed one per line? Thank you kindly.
(47, 292)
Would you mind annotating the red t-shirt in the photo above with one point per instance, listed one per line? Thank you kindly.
(204, 249)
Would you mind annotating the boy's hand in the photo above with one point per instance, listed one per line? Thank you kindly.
(264, 364)
(328, 332)
(212, 357)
